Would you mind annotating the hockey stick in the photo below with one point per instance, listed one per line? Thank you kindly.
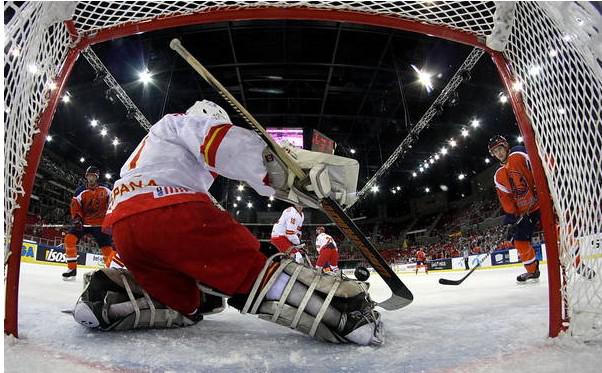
(401, 295)
(444, 281)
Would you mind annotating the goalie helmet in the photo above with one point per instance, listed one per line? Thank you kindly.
(496, 141)
(210, 109)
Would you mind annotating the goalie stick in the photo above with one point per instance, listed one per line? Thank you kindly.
(401, 296)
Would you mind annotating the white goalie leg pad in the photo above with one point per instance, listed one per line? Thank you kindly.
(329, 308)
(112, 300)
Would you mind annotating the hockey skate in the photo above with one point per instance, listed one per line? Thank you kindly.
(70, 275)
(522, 278)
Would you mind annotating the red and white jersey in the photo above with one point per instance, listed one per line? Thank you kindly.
(179, 159)
(289, 225)
(325, 240)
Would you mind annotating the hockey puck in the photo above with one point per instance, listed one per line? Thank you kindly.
(362, 273)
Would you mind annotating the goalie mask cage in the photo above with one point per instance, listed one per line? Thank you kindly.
(548, 56)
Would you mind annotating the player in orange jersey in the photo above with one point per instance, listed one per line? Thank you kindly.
(88, 209)
(515, 188)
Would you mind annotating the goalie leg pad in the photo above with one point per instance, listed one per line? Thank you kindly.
(329, 308)
(112, 300)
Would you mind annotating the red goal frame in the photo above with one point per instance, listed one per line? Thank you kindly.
(556, 321)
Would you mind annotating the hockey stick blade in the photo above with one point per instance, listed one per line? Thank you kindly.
(444, 281)
(401, 296)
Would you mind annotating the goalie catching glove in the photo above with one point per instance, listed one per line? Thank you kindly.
(329, 176)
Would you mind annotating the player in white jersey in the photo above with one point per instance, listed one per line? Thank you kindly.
(328, 258)
(174, 241)
(286, 232)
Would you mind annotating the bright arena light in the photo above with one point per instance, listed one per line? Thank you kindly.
(66, 98)
(443, 151)
(249, 204)
(431, 160)
(464, 132)
(414, 174)
(398, 187)
(427, 189)
(49, 138)
(461, 177)
(240, 187)
(269, 205)
(452, 143)
(352, 151)
(235, 204)
(393, 191)
(519, 138)
(115, 141)
(443, 187)
(82, 160)
(271, 198)
(374, 189)
(238, 198)
(503, 98)
(424, 78)
(94, 123)
(145, 77)
(108, 176)
(475, 123)
(517, 86)
(103, 132)
(487, 160)
(421, 169)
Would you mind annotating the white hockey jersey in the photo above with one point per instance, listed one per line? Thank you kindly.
(324, 239)
(289, 225)
(178, 160)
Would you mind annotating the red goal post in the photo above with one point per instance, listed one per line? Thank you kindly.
(548, 57)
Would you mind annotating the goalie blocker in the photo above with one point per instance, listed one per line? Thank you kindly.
(329, 308)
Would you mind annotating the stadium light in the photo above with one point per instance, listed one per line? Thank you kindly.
(271, 198)
(452, 143)
(519, 138)
(103, 132)
(443, 187)
(437, 156)
(398, 187)
(443, 151)
(421, 169)
(235, 204)
(461, 177)
(238, 198)
(414, 174)
(374, 189)
(145, 76)
(49, 138)
(426, 165)
(393, 191)
(487, 160)
(352, 151)
(534, 70)
(475, 123)
(66, 98)
(517, 86)
(108, 176)
(464, 132)
(249, 204)
(432, 161)
(115, 141)
(269, 205)
(94, 123)
(424, 78)
(503, 98)
(82, 160)
(240, 187)
(427, 189)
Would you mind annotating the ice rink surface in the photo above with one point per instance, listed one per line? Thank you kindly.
(487, 324)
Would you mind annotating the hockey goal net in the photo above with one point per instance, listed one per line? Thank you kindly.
(548, 56)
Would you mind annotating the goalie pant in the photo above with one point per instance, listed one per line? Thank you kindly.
(201, 247)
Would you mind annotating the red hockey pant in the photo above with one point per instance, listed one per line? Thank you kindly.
(169, 249)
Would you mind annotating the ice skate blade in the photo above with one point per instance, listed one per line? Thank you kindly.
(531, 281)
(72, 278)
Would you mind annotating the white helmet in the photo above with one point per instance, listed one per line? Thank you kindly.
(210, 109)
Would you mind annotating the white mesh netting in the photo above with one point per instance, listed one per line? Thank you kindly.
(554, 50)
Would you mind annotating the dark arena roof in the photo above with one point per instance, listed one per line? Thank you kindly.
(356, 84)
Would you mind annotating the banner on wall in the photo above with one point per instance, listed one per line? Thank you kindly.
(54, 254)
(440, 264)
(28, 251)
